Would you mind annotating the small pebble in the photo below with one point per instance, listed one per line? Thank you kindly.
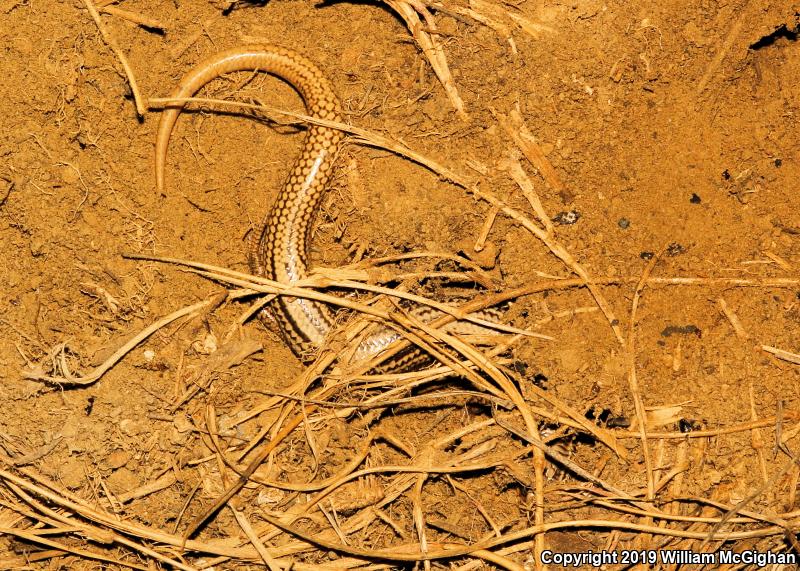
(567, 218)
(623, 223)
(695, 199)
(117, 459)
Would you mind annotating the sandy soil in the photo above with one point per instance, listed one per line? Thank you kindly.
(672, 128)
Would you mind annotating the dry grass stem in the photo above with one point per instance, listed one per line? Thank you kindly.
(731, 316)
(782, 354)
(514, 126)
(410, 11)
(138, 19)
(109, 40)
(525, 184)
(491, 216)
(633, 382)
(62, 375)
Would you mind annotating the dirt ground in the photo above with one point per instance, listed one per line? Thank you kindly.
(671, 130)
